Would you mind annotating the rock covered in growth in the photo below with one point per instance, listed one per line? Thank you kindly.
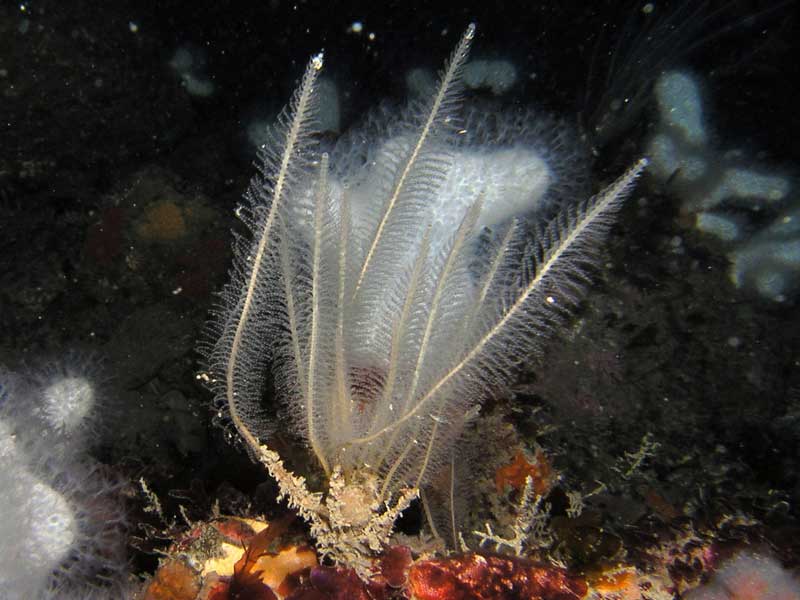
(250, 559)
(490, 577)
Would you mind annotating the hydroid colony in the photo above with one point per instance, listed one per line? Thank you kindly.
(385, 320)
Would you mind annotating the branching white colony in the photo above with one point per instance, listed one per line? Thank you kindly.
(384, 329)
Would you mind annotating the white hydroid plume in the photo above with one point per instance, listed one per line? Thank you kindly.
(386, 327)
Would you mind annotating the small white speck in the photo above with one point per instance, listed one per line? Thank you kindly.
(355, 27)
(133, 27)
(550, 300)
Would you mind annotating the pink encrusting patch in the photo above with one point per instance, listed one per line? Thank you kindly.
(749, 576)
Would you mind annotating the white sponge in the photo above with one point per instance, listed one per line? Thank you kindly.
(749, 576)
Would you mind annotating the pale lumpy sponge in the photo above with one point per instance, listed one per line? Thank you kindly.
(749, 576)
